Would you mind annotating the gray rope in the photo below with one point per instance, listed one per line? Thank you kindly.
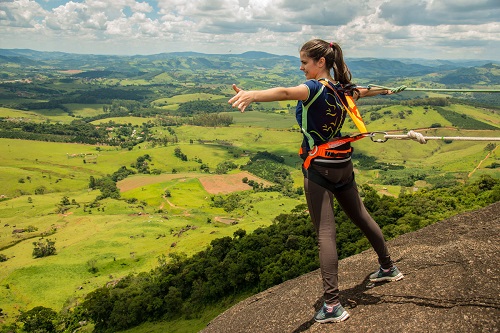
(412, 135)
(434, 89)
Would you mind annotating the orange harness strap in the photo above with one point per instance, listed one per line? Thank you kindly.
(351, 107)
(326, 149)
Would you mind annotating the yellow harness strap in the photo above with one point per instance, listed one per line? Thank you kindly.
(351, 108)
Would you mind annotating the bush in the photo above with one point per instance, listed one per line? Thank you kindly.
(39, 319)
(40, 190)
(44, 249)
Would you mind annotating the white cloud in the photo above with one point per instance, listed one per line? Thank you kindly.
(379, 28)
(143, 7)
(438, 12)
(20, 13)
(69, 17)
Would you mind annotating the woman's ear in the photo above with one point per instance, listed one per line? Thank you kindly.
(321, 62)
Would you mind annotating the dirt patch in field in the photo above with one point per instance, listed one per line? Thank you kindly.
(223, 184)
(213, 184)
(71, 71)
(225, 220)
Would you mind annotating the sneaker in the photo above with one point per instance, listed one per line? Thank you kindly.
(393, 275)
(337, 315)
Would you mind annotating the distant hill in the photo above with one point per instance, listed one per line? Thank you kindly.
(450, 71)
(486, 74)
(386, 69)
(16, 59)
(32, 54)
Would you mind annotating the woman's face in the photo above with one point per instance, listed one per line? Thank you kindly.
(311, 68)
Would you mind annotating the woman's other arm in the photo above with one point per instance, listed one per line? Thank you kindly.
(244, 98)
(368, 92)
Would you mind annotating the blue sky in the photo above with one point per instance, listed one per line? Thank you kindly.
(442, 29)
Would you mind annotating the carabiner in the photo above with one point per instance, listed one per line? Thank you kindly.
(313, 151)
(373, 134)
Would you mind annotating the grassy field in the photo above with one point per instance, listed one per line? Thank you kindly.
(18, 114)
(188, 98)
(135, 121)
(118, 238)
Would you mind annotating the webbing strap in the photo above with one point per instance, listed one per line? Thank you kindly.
(351, 108)
(305, 108)
(326, 149)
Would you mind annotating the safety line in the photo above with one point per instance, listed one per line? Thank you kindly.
(416, 136)
(438, 89)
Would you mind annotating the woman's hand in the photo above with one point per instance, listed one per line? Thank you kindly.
(242, 99)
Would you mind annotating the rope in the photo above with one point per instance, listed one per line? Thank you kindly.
(412, 135)
(437, 89)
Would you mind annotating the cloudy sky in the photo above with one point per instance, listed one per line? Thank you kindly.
(444, 29)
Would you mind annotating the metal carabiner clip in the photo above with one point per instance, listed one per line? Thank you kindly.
(374, 134)
(313, 151)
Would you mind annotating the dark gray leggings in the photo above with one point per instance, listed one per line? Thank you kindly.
(320, 204)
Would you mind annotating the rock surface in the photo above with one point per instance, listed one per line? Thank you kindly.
(451, 284)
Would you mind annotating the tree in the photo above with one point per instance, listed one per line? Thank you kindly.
(224, 167)
(240, 233)
(44, 249)
(108, 188)
(65, 201)
(178, 153)
(98, 306)
(92, 266)
(490, 146)
(92, 182)
(39, 319)
(40, 190)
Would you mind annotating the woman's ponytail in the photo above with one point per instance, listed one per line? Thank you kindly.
(341, 72)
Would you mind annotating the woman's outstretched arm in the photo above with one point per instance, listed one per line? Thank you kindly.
(244, 98)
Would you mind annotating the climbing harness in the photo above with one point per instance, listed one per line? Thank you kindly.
(326, 150)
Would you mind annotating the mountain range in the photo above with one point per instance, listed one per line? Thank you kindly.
(449, 71)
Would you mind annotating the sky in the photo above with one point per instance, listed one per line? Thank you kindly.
(428, 29)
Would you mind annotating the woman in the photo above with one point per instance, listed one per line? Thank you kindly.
(321, 112)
